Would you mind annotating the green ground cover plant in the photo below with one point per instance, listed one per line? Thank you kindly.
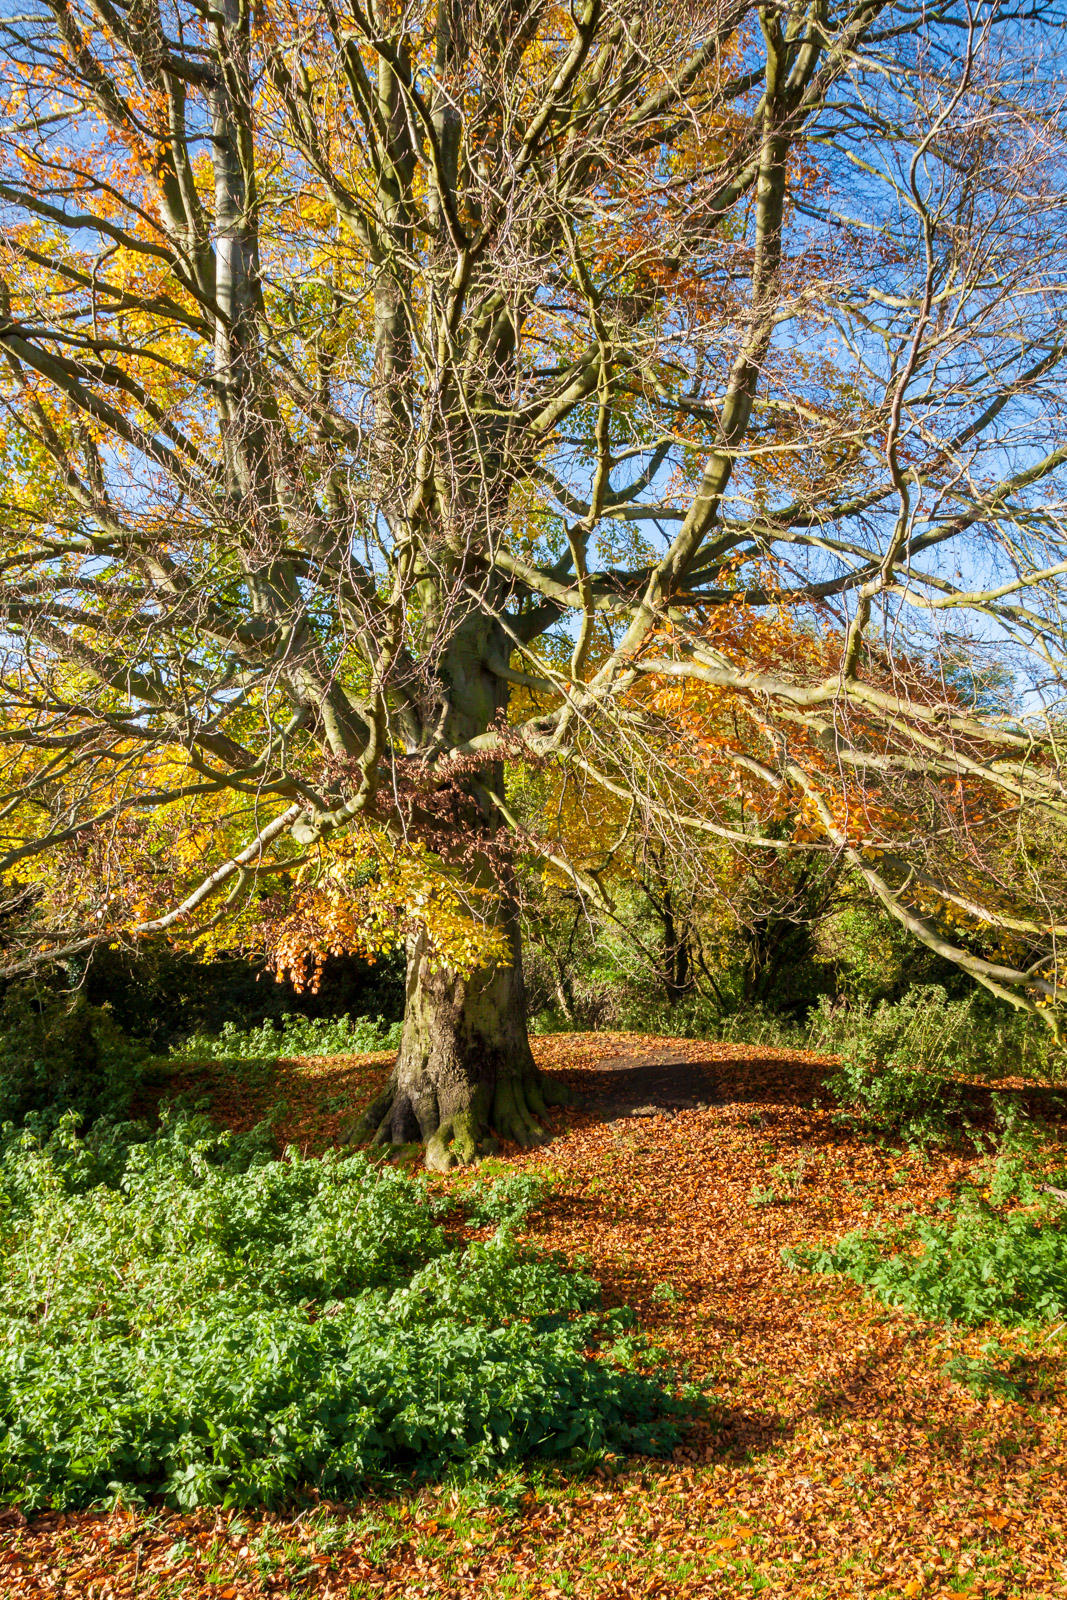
(291, 1035)
(997, 1254)
(183, 1313)
(505, 1200)
(978, 1265)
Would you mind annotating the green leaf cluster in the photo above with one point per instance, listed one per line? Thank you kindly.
(292, 1035)
(183, 1314)
(980, 1265)
(506, 1200)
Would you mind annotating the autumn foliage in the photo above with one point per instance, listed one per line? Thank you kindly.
(399, 399)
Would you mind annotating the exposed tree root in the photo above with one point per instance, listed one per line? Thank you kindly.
(516, 1108)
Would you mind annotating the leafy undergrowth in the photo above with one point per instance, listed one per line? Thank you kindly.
(291, 1035)
(184, 1315)
(981, 1265)
(856, 1450)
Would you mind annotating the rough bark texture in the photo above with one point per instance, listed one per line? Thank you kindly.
(465, 1072)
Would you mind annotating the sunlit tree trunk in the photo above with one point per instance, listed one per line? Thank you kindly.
(465, 1072)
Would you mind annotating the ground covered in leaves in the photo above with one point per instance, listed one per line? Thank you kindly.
(839, 1458)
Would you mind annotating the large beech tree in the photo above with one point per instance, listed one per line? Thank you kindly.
(666, 393)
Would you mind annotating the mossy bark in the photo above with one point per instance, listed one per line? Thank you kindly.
(465, 1073)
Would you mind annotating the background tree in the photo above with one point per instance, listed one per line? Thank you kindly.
(368, 363)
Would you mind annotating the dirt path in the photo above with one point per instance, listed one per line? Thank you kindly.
(654, 1082)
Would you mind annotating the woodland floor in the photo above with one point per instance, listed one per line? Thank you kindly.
(839, 1460)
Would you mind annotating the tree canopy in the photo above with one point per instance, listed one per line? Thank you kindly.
(664, 395)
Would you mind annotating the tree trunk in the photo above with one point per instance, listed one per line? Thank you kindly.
(465, 1071)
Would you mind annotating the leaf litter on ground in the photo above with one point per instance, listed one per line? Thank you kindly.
(853, 1450)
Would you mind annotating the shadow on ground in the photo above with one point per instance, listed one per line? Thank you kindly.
(650, 1083)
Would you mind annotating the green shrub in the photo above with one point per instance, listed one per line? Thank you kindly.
(292, 1035)
(903, 1066)
(917, 1107)
(892, 1078)
(58, 1054)
(979, 1265)
(928, 1031)
(183, 1314)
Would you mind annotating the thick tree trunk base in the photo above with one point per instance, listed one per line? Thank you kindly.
(465, 1076)
(515, 1109)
